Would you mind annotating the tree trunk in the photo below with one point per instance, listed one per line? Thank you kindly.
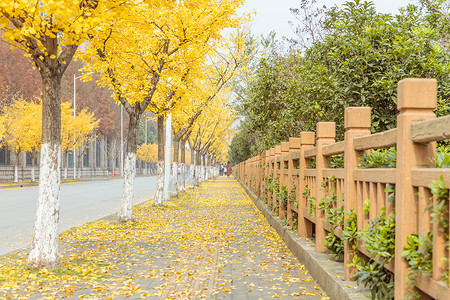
(140, 167)
(44, 248)
(183, 167)
(198, 168)
(159, 195)
(205, 168)
(176, 151)
(113, 159)
(192, 169)
(208, 167)
(16, 169)
(33, 177)
(129, 170)
(202, 168)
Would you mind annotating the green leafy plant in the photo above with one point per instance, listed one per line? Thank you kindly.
(282, 195)
(312, 163)
(334, 212)
(310, 201)
(350, 230)
(442, 159)
(382, 158)
(295, 224)
(379, 237)
(418, 249)
(336, 161)
(275, 188)
(366, 206)
(293, 195)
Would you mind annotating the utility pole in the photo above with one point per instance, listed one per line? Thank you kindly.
(167, 159)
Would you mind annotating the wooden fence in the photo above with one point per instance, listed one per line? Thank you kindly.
(285, 168)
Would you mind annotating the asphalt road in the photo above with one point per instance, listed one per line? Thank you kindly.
(79, 203)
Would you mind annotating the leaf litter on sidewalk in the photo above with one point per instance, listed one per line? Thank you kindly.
(211, 242)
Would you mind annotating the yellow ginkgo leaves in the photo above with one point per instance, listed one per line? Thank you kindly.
(21, 127)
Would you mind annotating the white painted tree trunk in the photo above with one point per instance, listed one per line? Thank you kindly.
(44, 248)
(159, 195)
(197, 175)
(183, 178)
(203, 168)
(126, 205)
(192, 181)
(203, 172)
(16, 170)
(175, 180)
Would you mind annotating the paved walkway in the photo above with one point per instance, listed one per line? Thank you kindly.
(211, 243)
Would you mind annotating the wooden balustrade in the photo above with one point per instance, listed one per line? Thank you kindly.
(415, 136)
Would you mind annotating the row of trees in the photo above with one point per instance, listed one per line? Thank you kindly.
(349, 56)
(158, 56)
(21, 131)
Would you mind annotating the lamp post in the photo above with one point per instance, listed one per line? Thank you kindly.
(121, 140)
(74, 115)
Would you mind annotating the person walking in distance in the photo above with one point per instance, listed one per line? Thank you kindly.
(228, 169)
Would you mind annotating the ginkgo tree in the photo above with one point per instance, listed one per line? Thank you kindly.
(147, 58)
(76, 131)
(50, 32)
(22, 131)
(223, 64)
(212, 129)
(147, 153)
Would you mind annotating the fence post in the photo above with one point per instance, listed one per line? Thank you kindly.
(326, 132)
(271, 172)
(257, 174)
(246, 180)
(307, 140)
(283, 177)
(276, 168)
(294, 146)
(249, 172)
(416, 101)
(357, 123)
(253, 178)
(264, 168)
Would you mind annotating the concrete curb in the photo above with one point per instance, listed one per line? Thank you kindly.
(328, 273)
(17, 185)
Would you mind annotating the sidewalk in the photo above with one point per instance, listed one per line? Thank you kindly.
(211, 243)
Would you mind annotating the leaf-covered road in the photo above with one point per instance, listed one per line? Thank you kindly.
(210, 243)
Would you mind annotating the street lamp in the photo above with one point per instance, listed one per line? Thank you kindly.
(121, 140)
(74, 115)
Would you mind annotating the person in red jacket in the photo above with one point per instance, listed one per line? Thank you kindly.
(228, 169)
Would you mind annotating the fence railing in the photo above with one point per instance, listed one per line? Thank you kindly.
(295, 181)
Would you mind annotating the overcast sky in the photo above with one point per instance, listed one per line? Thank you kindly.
(275, 14)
